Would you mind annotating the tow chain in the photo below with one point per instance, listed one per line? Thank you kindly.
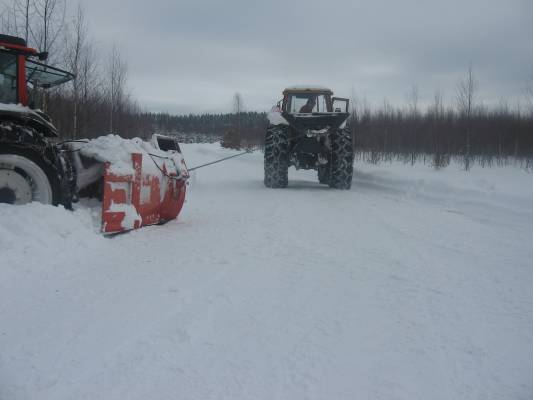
(217, 161)
(163, 157)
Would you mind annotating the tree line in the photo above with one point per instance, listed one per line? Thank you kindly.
(465, 131)
(436, 137)
(97, 102)
(234, 130)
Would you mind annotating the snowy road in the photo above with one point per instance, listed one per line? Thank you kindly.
(416, 284)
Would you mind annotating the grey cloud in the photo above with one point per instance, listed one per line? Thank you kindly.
(192, 56)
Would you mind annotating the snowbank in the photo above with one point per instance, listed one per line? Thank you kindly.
(275, 118)
(308, 87)
(15, 108)
(415, 284)
(35, 229)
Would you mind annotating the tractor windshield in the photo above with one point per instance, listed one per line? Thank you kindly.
(45, 76)
(8, 78)
(308, 103)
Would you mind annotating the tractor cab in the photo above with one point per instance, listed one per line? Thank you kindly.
(21, 73)
(308, 99)
(313, 108)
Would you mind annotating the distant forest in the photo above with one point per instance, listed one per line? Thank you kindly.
(98, 102)
(235, 130)
(435, 136)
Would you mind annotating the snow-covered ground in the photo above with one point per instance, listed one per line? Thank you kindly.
(416, 284)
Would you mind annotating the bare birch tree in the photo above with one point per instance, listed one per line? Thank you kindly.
(75, 44)
(6, 24)
(438, 104)
(24, 9)
(90, 87)
(48, 23)
(529, 95)
(237, 108)
(354, 115)
(466, 97)
(116, 77)
(412, 100)
(45, 29)
(15, 18)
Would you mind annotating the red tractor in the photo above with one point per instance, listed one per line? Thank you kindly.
(140, 183)
(32, 167)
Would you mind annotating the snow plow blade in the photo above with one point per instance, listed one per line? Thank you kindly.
(139, 199)
(142, 183)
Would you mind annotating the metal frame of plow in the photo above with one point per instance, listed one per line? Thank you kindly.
(131, 201)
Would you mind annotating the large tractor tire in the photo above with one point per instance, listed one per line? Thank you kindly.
(276, 157)
(27, 172)
(341, 171)
(24, 178)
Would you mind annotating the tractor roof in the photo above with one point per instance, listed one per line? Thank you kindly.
(15, 43)
(308, 89)
(12, 40)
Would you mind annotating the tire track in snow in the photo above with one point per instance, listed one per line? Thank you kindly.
(418, 269)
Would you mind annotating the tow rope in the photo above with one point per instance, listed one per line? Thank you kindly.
(222, 159)
(154, 155)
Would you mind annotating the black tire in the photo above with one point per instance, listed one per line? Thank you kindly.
(341, 160)
(324, 174)
(20, 170)
(276, 157)
(32, 158)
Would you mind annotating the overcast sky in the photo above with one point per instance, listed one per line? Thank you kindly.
(192, 56)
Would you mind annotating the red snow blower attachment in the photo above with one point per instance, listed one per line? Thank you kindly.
(141, 183)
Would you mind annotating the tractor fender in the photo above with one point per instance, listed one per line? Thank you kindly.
(275, 117)
(26, 140)
(25, 116)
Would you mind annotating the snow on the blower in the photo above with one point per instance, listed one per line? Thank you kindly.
(118, 151)
(415, 284)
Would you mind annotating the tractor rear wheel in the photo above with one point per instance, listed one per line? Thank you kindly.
(341, 160)
(27, 172)
(23, 179)
(276, 157)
